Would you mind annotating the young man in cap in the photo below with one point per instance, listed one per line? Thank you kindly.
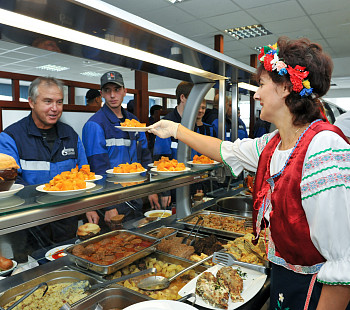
(93, 98)
(107, 147)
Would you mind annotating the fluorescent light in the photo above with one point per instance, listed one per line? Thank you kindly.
(247, 32)
(90, 73)
(175, 1)
(248, 86)
(31, 24)
(52, 68)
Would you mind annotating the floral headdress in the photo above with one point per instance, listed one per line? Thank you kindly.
(269, 57)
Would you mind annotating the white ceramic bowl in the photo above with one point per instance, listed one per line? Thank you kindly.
(8, 271)
(155, 214)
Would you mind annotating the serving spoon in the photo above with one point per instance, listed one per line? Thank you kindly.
(154, 283)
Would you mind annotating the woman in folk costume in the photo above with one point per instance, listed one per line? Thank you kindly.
(302, 182)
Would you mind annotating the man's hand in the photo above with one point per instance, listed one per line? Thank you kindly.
(165, 200)
(153, 200)
(164, 129)
(109, 214)
(92, 217)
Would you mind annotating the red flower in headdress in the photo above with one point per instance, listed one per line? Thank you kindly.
(262, 53)
(297, 75)
(267, 62)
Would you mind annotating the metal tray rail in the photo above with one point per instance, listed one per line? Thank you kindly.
(183, 233)
(62, 275)
(218, 232)
(108, 269)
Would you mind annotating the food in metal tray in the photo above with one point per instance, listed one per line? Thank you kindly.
(163, 269)
(110, 249)
(52, 300)
(226, 223)
(239, 251)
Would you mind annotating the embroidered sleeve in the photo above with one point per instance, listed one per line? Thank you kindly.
(325, 192)
(243, 154)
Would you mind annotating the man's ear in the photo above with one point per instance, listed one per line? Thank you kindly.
(31, 102)
(183, 98)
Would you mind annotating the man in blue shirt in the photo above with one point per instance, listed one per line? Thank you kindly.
(44, 147)
(107, 147)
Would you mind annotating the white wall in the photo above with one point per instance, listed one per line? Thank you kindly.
(74, 119)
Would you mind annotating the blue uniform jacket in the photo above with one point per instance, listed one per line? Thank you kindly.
(107, 147)
(168, 147)
(242, 131)
(23, 141)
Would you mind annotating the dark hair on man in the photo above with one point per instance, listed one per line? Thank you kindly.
(91, 94)
(304, 53)
(184, 88)
(48, 81)
(154, 108)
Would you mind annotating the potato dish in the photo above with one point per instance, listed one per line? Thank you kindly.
(70, 180)
(52, 300)
(128, 168)
(238, 250)
(170, 165)
(202, 160)
(163, 269)
(132, 123)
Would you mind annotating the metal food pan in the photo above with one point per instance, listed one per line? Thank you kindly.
(110, 298)
(219, 232)
(108, 269)
(62, 275)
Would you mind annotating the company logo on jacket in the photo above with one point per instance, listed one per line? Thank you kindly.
(66, 152)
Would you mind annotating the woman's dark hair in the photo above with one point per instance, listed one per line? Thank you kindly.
(310, 55)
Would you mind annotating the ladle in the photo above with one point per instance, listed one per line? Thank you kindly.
(155, 283)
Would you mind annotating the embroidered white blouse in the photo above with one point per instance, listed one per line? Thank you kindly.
(325, 191)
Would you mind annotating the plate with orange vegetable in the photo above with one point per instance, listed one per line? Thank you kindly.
(169, 167)
(132, 125)
(126, 170)
(69, 182)
(202, 162)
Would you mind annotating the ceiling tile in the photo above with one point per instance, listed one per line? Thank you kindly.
(317, 6)
(247, 4)
(231, 20)
(331, 18)
(278, 11)
(137, 7)
(193, 28)
(288, 25)
(167, 17)
(202, 9)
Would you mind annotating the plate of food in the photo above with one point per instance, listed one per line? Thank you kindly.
(56, 252)
(126, 170)
(223, 287)
(133, 125)
(97, 177)
(160, 305)
(15, 188)
(170, 172)
(202, 162)
(89, 185)
(157, 214)
(6, 266)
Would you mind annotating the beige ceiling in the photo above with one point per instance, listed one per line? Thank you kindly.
(323, 21)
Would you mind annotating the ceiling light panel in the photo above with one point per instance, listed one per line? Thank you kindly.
(90, 73)
(246, 32)
(52, 68)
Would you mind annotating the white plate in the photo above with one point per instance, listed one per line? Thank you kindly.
(160, 305)
(90, 185)
(97, 177)
(124, 175)
(13, 190)
(170, 172)
(152, 165)
(8, 271)
(252, 284)
(203, 166)
(133, 129)
(49, 254)
(11, 202)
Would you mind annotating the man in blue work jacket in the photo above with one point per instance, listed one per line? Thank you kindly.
(107, 147)
(44, 147)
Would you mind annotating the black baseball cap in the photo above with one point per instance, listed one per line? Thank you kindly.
(112, 77)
